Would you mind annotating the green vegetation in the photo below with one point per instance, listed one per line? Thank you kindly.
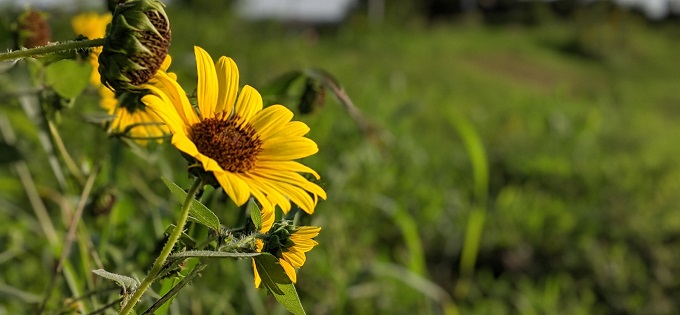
(579, 212)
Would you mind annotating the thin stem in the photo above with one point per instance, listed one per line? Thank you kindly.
(172, 239)
(52, 48)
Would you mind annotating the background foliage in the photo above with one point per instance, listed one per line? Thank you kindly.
(576, 119)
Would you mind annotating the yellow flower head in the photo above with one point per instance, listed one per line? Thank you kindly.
(248, 149)
(92, 26)
(289, 245)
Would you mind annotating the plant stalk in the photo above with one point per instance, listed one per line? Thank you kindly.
(51, 48)
(160, 261)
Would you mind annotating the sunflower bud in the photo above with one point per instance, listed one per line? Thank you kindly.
(136, 44)
(32, 30)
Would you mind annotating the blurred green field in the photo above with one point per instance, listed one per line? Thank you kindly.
(559, 140)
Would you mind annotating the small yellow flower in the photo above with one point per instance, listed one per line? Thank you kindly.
(292, 254)
(92, 26)
(248, 149)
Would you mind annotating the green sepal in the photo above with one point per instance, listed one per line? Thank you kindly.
(68, 77)
(275, 280)
(197, 212)
(255, 214)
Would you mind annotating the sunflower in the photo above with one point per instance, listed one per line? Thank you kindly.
(248, 149)
(131, 117)
(92, 26)
(291, 253)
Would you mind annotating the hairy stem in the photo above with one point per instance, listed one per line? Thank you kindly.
(172, 239)
(51, 48)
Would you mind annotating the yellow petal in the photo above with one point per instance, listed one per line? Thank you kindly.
(290, 271)
(234, 186)
(293, 129)
(227, 78)
(306, 232)
(166, 62)
(270, 120)
(175, 96)
(207, 83)
(256, 275)
(185, 145)
(292, 178)
(166, 113)
(249, 102)
(296, 259)
(284, 148)
(268, 215)
(292, 166)
(272, 193)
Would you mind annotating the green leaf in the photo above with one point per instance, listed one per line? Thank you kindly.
(281, 84)
(275, 280)
(212, 254)
(198, 212)
(68, 77)
(98, 117)
(255, 214)
(128, 283)
(8, 153)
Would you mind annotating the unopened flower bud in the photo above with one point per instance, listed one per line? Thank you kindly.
(32, 30)
(137, 41)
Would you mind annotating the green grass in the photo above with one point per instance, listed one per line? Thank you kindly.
(583, 160)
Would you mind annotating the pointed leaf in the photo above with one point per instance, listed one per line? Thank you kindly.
(130, 284)
(274, 278)
(255, 214)
(68, 77)
(212, 254)
(198, 212)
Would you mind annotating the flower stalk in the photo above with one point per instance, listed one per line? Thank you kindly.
(51, 49)
(160, 260)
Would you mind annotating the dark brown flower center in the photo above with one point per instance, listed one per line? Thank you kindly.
(233, 145)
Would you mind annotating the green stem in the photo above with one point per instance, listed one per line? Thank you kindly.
(160, 261)
(53, 48)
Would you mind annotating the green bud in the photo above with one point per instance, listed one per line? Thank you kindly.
(136, 43)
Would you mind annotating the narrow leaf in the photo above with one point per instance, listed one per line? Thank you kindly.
(275, 280)
(212, 254)
(198, 212)
(98, 117)
(68, 77)
(255, 214)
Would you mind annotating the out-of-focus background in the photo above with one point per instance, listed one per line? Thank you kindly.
(523, 157)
